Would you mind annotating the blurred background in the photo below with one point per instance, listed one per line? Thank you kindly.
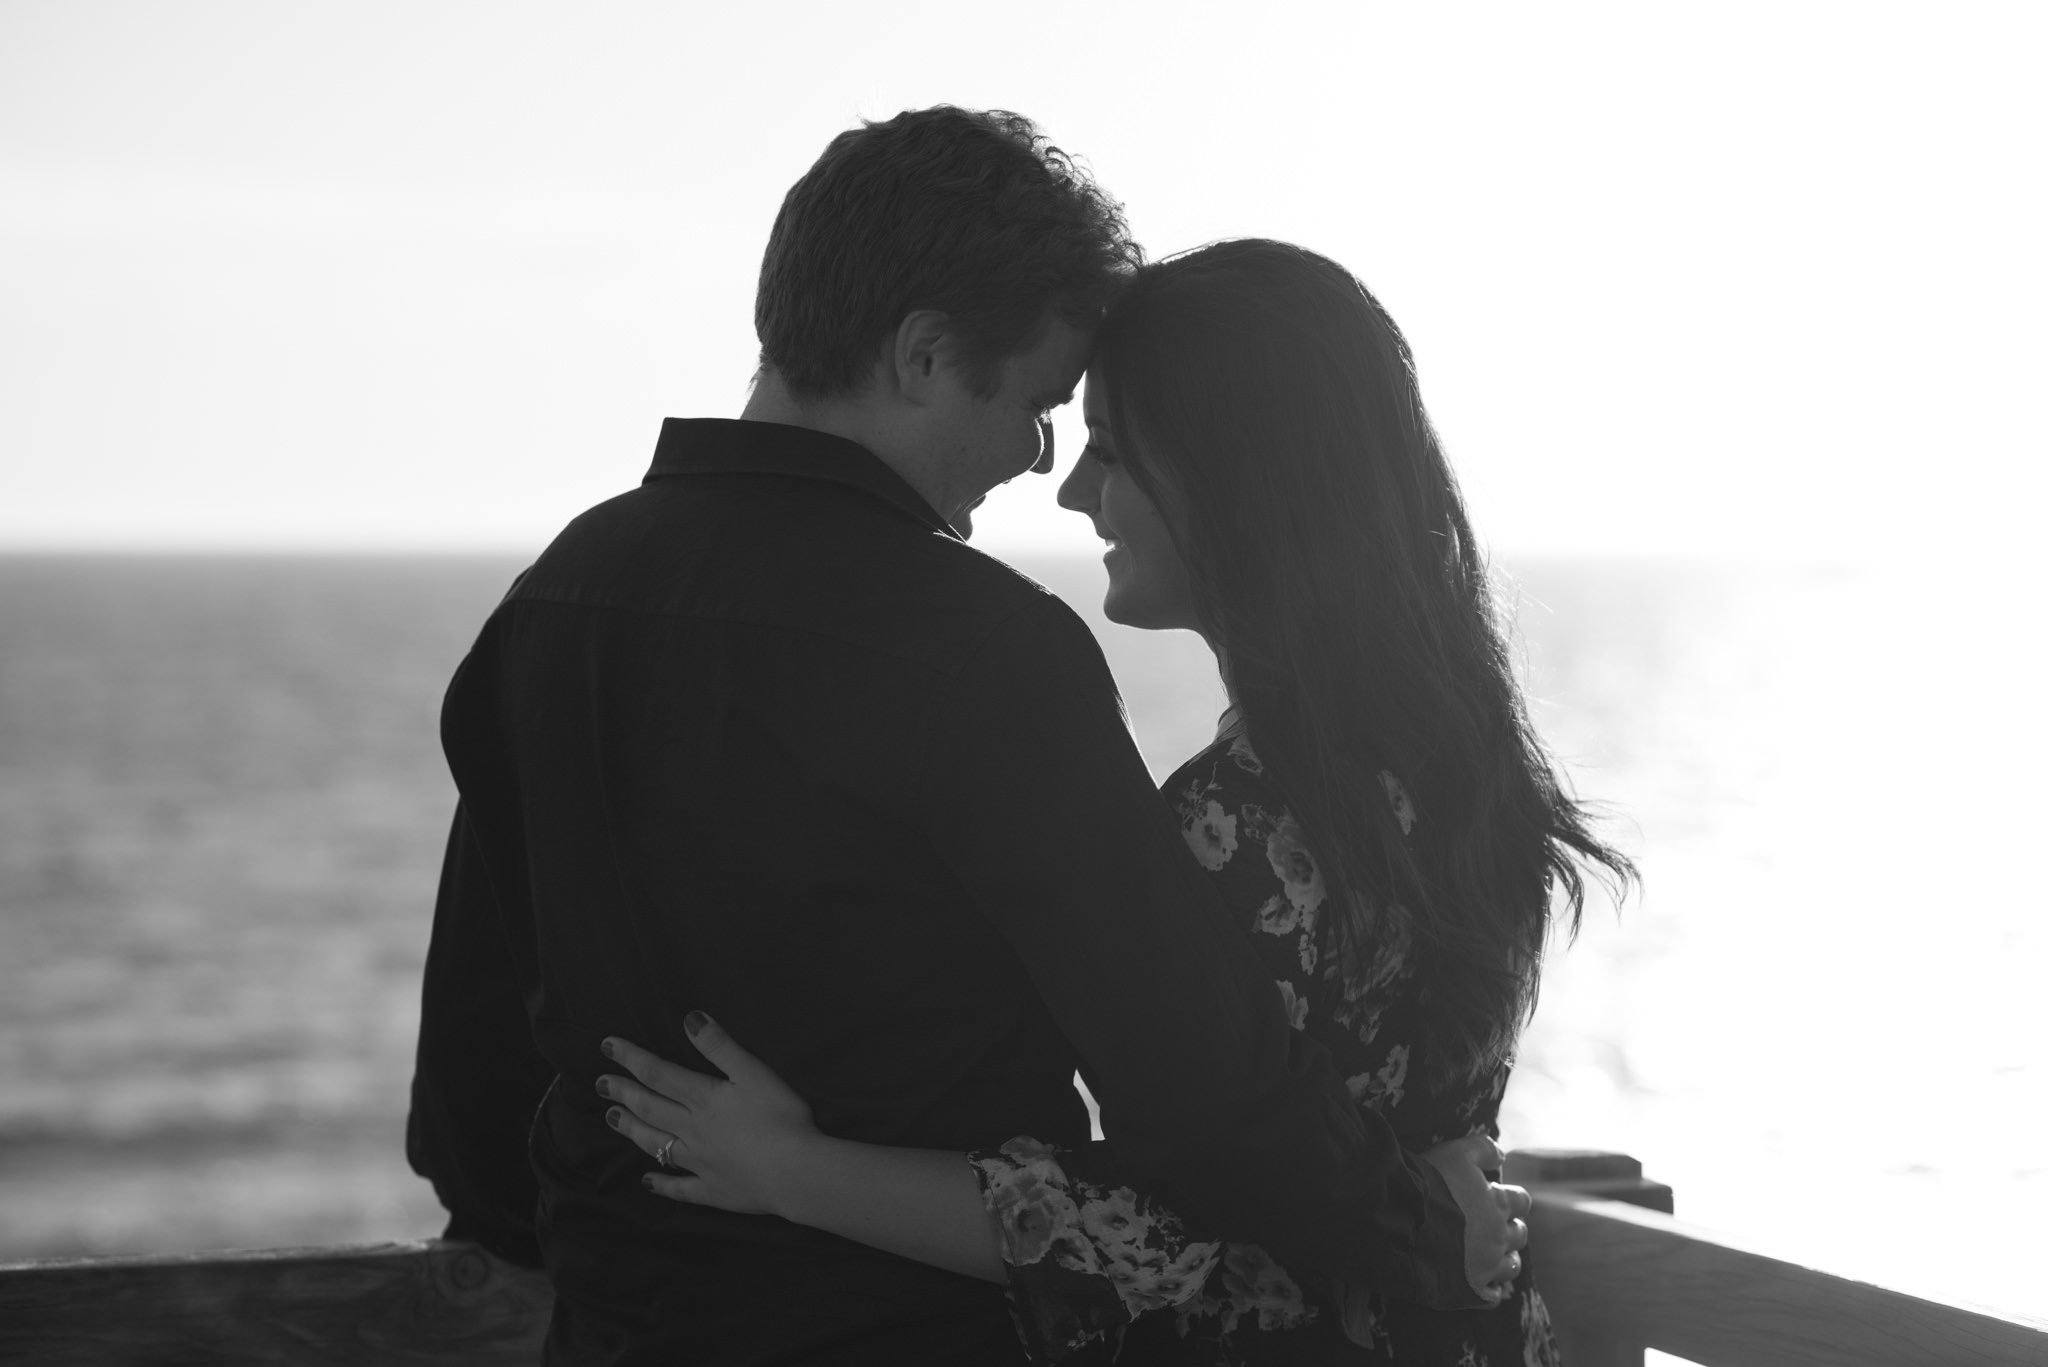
(316, 321)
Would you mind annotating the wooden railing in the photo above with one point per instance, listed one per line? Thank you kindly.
(423, 1302)
(1619, 1273)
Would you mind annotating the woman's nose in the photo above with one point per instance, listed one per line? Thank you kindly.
(1081, 489)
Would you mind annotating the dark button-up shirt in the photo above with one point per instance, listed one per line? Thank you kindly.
(765, 738)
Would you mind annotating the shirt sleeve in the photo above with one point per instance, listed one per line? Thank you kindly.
(1038, 802)
(1085, 1251)
(477, 1078)
(1087, 1246)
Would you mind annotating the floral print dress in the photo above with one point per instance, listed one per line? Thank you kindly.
(1099, 1270)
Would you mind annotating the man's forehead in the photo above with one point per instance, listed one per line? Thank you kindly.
(1053, 368)
(1056, 393)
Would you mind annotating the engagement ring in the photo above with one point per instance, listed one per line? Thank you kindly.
(661, 1154)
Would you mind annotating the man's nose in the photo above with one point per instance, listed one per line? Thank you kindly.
(1043, 465)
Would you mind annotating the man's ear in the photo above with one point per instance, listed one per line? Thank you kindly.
(920, 353)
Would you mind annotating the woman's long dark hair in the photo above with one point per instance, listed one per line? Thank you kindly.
(1268, 405)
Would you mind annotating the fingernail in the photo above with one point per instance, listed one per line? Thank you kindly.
(647, 1180)
(611, 1117)
(604, 1086)
(606, 1049)
(694, 1022)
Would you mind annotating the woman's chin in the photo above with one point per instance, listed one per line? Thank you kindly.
(1126, 610)
(1154, 611)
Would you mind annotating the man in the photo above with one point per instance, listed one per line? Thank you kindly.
(765, 738)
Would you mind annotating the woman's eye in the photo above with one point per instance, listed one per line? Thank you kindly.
(1102, 454)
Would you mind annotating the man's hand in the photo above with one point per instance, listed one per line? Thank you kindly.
(1495, 1233)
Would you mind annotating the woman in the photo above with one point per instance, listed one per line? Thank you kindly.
(1263, 472)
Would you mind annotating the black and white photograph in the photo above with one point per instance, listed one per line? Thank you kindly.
(1195, 684)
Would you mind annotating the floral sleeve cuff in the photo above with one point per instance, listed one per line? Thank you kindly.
(1084, 1257)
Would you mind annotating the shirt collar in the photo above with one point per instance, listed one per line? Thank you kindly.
(729, 446)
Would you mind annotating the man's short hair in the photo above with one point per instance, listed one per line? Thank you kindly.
(970, 213)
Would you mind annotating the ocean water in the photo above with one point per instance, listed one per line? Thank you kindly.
(222, 808)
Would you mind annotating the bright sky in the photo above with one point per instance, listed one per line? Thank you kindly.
(1730, 278)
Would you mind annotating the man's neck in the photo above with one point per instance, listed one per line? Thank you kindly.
(772, 401)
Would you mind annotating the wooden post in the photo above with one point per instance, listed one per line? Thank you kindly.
(1612, 1177)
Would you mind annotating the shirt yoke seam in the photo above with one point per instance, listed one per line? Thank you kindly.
(796, 628)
